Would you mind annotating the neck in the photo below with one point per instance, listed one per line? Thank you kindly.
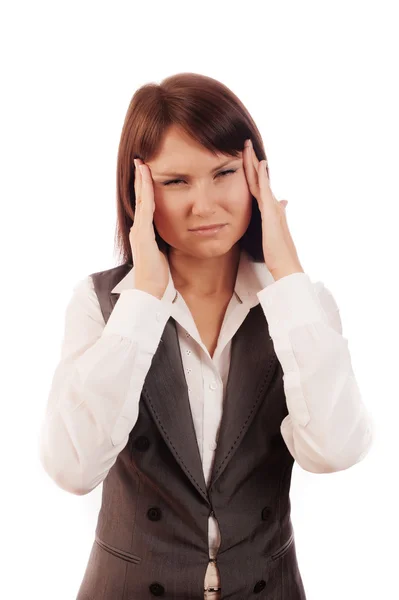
(205, 277)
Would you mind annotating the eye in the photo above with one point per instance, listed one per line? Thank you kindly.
(221, 173)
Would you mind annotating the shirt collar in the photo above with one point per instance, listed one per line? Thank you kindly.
(252, 277)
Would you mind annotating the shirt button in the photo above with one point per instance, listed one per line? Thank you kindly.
(212, 446)
(213, 385)
(158, 316)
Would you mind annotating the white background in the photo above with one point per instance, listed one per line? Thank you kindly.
(320, 80)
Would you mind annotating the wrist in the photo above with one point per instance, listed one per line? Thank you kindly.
(285, 271)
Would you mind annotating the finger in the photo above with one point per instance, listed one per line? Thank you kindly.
(138, 191)
(253, 157)
(250, 171)
(137, 179)
(147, 204)
(257, 166)
(268, 200)
(141, 187)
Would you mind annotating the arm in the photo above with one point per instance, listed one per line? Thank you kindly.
(328, 427)
(94, 396)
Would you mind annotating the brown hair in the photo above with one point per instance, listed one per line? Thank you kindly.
(206, 110)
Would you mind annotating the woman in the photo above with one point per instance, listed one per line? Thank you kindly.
(194, 373)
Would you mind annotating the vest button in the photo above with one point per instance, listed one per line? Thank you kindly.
(157, 589)
(142, 443)
(259, 586)
(154, 513)
(266, 513)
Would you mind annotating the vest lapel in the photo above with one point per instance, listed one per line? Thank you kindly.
(166, 395)
(253, 363)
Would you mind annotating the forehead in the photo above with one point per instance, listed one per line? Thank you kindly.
(179, 153)
(177, 143)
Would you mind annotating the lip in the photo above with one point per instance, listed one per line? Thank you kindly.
(209, 231)
(206, 227)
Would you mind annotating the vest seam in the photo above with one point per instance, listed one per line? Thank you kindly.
(126, 556)
(135, 516)
(279, 499)
(283, 549)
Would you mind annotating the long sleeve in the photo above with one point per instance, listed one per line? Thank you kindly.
(328, 427)
(94, 396)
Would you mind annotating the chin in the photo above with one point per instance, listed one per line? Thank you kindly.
(204, 248)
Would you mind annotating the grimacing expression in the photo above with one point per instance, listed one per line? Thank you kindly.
(194, 188)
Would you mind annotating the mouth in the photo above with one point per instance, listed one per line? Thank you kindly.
(209, 229)
(205, 227)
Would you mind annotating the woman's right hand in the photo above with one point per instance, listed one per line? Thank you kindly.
(151, 269)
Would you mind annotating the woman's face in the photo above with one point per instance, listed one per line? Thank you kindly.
(204, 195)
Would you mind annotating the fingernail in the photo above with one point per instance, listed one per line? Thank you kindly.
(141, 167)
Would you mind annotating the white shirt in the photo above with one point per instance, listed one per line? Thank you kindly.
(94, 397)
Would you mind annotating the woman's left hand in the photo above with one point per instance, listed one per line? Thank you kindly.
(279, 251)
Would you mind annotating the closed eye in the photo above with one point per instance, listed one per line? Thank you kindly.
(221, 173)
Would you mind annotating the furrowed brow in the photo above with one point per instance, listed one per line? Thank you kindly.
(185, 175)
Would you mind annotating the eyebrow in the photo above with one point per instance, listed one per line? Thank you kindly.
(182, 175)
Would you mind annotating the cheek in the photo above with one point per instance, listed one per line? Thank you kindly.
(240, 207)
(239, 200)
(165, 214)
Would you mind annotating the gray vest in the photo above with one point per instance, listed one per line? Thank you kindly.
(151, 537)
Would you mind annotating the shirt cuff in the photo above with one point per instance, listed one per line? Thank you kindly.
(290, 302)
(140, 317)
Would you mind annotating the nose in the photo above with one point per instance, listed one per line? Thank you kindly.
(204, 204)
